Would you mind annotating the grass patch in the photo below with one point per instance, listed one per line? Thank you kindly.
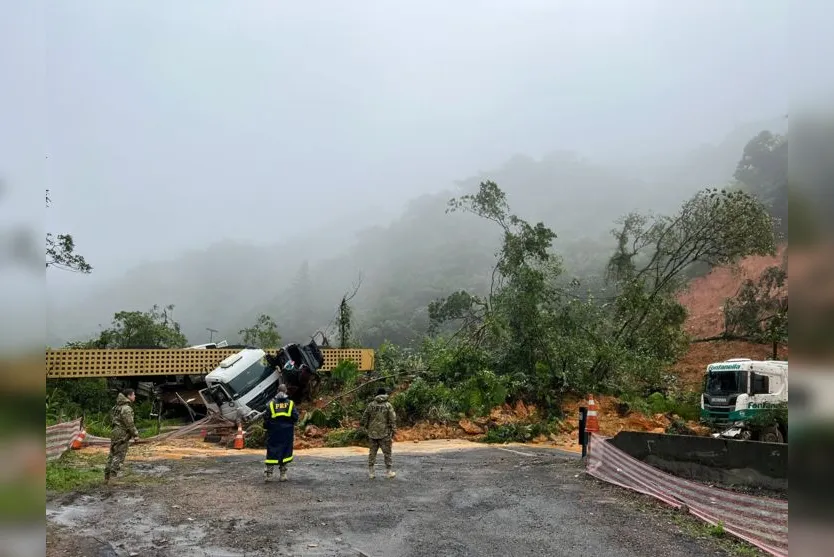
(698, 529)
(73, 472)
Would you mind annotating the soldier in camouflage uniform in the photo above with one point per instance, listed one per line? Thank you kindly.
(380, 421)
(122, 432)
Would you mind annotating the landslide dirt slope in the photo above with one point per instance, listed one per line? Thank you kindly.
(704, 298)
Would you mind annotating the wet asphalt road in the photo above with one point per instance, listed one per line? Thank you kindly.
(523, 501)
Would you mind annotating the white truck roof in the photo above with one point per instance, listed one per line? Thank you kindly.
(234, 364)
(767, 367)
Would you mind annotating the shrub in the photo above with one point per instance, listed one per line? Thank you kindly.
(482, 392)
(657, 403)
(255, 437)
(516, 432)
(776, 415)
(68, 399)
(687, 405)
(319, 418)
(424, 401)
(344, 375)
(346, 437)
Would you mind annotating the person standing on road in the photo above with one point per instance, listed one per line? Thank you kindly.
(279, 423)
(380, 421)
(122, 431)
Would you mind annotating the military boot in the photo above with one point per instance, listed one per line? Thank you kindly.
(283, 476)
(390, 473)
(267, 475)
(371, 474)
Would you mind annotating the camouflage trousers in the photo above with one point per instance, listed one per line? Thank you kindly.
(118, 452)
(385, 445)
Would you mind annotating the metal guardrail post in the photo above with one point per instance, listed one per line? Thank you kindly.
(583, 436)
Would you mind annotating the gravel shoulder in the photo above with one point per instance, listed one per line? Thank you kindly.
(455, 500)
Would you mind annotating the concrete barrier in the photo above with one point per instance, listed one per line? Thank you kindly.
(721, 461)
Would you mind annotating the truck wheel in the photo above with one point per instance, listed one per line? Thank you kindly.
(771, 434)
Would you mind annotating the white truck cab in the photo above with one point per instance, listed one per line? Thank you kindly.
(737, 389)
(241, 386)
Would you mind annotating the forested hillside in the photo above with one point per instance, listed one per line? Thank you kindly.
(475, 305)
(419, 256)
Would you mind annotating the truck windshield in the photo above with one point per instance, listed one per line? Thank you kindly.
(247, 379)
(726, 382)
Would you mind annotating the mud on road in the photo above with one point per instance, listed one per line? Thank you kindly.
(461, 500)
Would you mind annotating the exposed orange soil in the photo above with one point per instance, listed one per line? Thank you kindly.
(705, 296)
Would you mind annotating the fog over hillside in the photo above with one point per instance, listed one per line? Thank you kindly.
(403, 263)
(236, 162)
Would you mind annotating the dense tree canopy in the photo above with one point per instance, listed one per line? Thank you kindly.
(263, 334)
(154, 328)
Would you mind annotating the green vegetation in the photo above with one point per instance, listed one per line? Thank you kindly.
(541, 342)
(759, 310)
(534, 322)
(346, 437)
(154, 328)
(699, 529)
(73, 472)
(263, 334)
(516, 432)
(94, 398)
(776, 415)
(344, 375)
(686, 405)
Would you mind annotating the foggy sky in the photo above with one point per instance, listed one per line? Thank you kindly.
(176, 125)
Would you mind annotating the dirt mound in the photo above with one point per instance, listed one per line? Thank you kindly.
(704, 299)
(426, 431)
(613, 420)
(705, 296)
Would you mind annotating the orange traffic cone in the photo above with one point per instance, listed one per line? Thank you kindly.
(78, 440)
(239, 437)
(592, 424)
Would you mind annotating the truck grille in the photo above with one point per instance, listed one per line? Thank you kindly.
(259, 402)
(720, 414)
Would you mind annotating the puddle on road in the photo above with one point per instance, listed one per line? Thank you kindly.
(150, 469)
(74, 513)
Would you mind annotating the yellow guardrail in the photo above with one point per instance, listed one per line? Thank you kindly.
(70, 363)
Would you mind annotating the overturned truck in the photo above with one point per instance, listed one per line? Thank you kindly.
(242, 385)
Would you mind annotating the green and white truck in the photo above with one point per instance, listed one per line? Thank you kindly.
(742, 397)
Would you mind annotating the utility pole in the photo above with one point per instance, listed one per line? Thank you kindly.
(211, 333)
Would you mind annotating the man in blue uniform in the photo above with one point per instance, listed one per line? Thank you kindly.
(279, 423)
